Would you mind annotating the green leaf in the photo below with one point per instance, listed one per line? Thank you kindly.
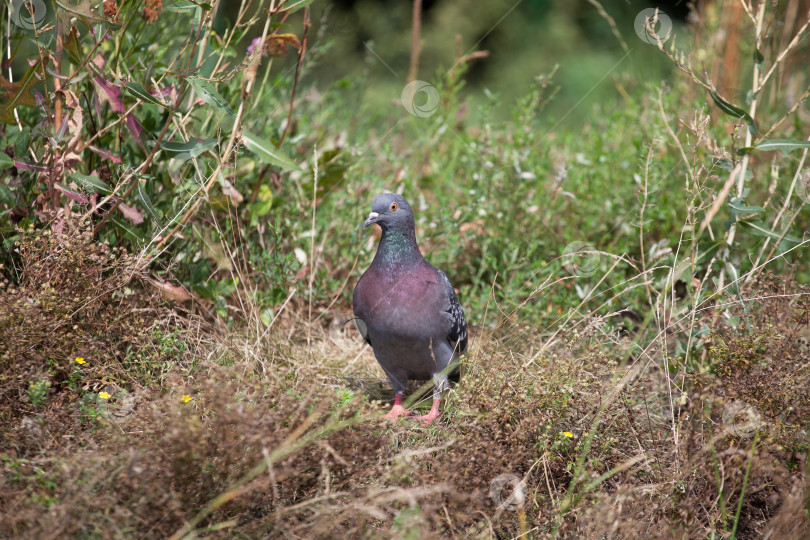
(332, 167)
(728, 166)
(675, 275)
(190, 149)
(227, 286)
(301, 4)
(760, 229)
(786, 146)
(127, 228)
(736, 112)
(707, 250)
(145, 201)
(724, 164)
(702, 332)
(138, 90)
(209, 94)
(733, 276)
(739, 208)
(7, 196)
(5, 161)
(84, 10)
(268, 153)
(263, 204)
(203, 290)
(90, 183)
(17, 94)
(74, 49)
(180, 7)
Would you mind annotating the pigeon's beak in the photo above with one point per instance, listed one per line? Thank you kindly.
(372, 218)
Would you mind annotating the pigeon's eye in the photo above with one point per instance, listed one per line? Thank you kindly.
(393, 207)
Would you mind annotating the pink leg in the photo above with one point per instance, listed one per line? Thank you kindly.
(397, 410)
(432, 415)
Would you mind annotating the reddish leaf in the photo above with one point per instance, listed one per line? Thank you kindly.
(40, 99)
(164, 92)
(71, 100)
(172, 292)
(78, 197)
(136, 129)
(22, 166)
(131, 213)
(108, 93)
(106, 154)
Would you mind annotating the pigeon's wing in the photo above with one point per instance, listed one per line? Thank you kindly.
(359, 308)
(454, 321)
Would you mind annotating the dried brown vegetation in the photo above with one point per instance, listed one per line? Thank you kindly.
(198, 436)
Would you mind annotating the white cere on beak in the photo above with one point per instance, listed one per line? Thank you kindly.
(372, 218)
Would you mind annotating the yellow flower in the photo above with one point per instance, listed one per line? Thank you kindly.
(568, 434)
(186, 398)
(104, 395)
(80, 361)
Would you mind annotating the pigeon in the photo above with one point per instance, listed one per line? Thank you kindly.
(406, 309)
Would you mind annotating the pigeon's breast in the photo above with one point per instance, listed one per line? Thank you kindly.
(399, 306)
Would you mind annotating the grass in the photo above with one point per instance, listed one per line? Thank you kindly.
(238, 436)
(628, 376)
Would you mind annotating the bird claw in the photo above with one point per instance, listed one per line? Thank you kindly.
(396, 411)
(429, 417)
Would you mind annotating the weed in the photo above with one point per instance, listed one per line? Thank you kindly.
(636, 292)
(38, 392)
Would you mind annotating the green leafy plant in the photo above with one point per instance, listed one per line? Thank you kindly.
(38, 392)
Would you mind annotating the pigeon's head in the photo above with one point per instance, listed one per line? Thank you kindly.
(390, 211)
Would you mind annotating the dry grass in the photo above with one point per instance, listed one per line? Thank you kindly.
(233, 434)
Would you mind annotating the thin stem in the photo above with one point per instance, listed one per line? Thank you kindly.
(745, 483)
(647, 286)
(250, 77)
(779, 215)
(298, 66)
(155, 148)
(611, 22)
(57, 113)
(312, 242)
(756, 86)
(416, 29)
(785, 51)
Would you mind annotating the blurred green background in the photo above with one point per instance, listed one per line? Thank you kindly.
(366, 44)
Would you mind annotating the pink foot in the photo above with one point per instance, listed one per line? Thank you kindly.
(432, 415)
(397, 410)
